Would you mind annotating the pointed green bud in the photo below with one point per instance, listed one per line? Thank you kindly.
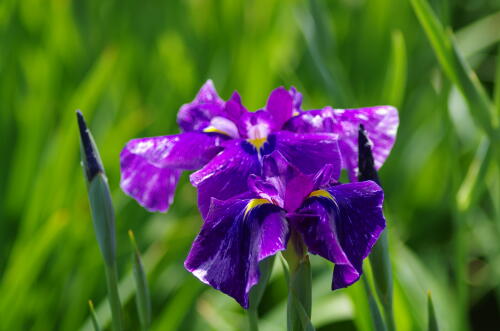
(93, 315)
(92, 163)
(379, 257)
(143, 299)
(101, 205)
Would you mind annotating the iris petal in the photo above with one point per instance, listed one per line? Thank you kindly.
(225, 176)
(196, 115)
(280, 105)
(232, 241)
(342, 225)
(151, 186)
(281, 182)
(310, 152)
(151, 167)
(380, 122)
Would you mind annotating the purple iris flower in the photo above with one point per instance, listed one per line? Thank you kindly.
(227, 143)
(340, 222)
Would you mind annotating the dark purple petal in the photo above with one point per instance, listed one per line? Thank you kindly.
(151, 186)
(342, 224)
(282, 183)
(280, 106)
(232, 241)
(226, 175)
(309, 152)
(380, 122)
(326, 177)
(196, 115)
(187, 151)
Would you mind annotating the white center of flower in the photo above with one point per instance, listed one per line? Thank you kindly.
(258, 131)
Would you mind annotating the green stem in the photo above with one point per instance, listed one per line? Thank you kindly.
(382, 274)
(114, 297)
(300, 285)
(253, 320)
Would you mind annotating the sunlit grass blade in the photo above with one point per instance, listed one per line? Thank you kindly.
(432, 322)
(143, 298)
(457, 69)
(395, 85)
(315, 30)
(474, 179)
(497, 84)
(93, 315)
(479, 35)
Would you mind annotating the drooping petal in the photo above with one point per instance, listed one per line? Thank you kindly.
(281, 182)
(342, 224)
(150, 167)
(196, 115)
(309, 152)
(151, 186)
(280, 106)
(235, 236)
(380, 122)
(225, 176)
(186, 151)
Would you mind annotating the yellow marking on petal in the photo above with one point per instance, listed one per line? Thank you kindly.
(321, 193)
(213, 129)
(255, 203)
(295, 113)
(257, 142)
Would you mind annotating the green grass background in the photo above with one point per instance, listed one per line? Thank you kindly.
(130, 65)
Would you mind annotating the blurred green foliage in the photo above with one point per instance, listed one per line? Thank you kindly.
(129, 65)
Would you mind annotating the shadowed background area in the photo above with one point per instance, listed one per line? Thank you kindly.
(130, 65)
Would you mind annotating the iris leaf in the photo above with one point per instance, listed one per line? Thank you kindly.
(95, 322)
(378, 321)
(143, 299)
(432, 323)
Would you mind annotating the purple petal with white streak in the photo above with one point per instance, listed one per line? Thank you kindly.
(232, 241)
(343, 229)
(380, 122)
(151, 186)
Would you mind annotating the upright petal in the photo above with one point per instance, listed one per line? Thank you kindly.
(236, 235)
(380, 122)
(151, 186)
(309, 152)
(297, 100)
(280, 105)
(342, 224)
(282, 183)
(226, 175)
(196, 115)
(187, 151)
